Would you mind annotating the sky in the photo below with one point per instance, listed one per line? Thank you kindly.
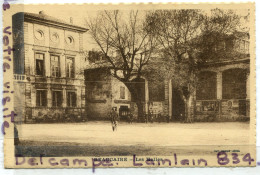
(80, 13)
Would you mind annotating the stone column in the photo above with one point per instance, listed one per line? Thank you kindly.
(78, 91)
(83, 106)
(64, 96)
(146, 96)
(219, 92)
(219, 85)
(170, 98)
(63, 65)
(83, 96)
(33, 96)
(47, 62)
(49, 97)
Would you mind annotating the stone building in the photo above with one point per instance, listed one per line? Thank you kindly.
(48, 69)
(104, 92)
(223, 92)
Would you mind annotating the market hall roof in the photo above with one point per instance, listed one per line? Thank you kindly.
(44, 19)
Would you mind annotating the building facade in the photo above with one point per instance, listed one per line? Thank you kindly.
(104, 92)
(48, 70)
(223, 91)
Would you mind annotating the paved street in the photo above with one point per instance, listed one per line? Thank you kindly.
(96, 135)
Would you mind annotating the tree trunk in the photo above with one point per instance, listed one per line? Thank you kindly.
(137, 94)
(140, 110)
(188, 110)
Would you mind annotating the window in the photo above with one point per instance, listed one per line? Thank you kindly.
(55, 67)
(70, 67)
(95, 56)
(71, 99)
(39, 64)
(56, 98)
(39, 35)
(122, 92)
(55, 37)
(69, 40)
(41, 97)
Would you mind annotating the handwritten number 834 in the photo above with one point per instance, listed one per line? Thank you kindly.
(224, 160)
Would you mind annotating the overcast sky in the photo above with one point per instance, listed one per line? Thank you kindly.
(80, 13)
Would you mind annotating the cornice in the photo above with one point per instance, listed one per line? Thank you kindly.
(50, 21)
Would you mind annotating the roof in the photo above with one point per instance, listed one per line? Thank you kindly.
(226, 62)
(51, 21)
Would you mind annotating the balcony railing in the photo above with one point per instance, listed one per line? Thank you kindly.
(19, 77)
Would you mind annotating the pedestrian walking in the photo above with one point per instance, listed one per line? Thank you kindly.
(114, 118)
(146, 118)
(130, 117)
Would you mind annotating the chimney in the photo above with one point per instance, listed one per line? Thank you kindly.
(71, 20)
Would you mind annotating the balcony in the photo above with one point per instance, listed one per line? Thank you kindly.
(20, 77)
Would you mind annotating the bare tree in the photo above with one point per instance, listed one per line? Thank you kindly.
(127, 46)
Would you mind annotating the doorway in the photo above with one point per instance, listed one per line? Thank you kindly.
(123, 112)
(178, 106)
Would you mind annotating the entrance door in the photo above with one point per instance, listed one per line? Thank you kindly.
(123, 112)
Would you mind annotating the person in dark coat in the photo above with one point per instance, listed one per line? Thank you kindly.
(130, 117)
(114, 119)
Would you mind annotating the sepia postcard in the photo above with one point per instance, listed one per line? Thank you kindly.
(129, 85)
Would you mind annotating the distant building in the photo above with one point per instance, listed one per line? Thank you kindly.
(103, 91)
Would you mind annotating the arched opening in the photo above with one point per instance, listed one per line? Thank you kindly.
(207, 105)
(234, 89)
(207, 86)
(234, 84)
(156, 91)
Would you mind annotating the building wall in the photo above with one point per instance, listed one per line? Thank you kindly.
(98, 94)
(103, 93)
(119, 99)
(109, 95)
(46, 40)
(221, 108)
